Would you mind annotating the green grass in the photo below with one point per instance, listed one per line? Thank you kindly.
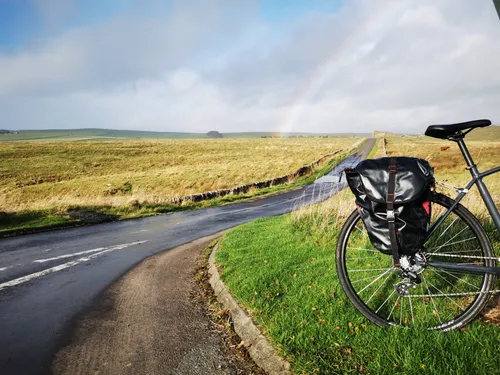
(33, 219)
(284, 274)
(376, 150)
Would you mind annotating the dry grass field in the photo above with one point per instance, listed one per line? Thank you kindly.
(61, 175)
(449, 167)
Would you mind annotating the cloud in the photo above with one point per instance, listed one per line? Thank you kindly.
(54, 12)
(394, 65)
(123, 49)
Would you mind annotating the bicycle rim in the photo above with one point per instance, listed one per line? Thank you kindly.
(443, 299)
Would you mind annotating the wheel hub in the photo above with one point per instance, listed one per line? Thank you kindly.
(411, 267)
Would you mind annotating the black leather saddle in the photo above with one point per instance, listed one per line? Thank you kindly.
(445, 131)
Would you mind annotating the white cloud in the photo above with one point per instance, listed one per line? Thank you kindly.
(395, 65)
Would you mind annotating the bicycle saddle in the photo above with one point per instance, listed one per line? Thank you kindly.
(444, 131)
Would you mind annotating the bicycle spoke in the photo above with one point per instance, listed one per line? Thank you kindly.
(374, 281)
(432, 300)
(448, 227)
(460, 307)
(411, 311)
(363, 279)
(458, 278)
(442, 277)
(451, 239)
(385, 301)
(453, 243)
(376, 291)
(393, 307)
(401, 312)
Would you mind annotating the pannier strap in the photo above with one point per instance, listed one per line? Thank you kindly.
(391, 217)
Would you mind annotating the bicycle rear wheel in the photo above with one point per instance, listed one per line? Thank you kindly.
(443, 299)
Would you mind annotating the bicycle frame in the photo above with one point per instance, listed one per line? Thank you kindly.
(477, 179)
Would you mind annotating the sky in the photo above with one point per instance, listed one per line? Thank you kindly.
(334, 66)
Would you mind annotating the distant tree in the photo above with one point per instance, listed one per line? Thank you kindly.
(214, 134)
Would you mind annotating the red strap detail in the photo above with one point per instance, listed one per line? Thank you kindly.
(427, 207)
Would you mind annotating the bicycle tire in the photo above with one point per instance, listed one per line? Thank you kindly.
(472, 310)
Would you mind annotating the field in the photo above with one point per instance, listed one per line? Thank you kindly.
(111, 134)
(449, 165)
(126, 177)
(282, 270)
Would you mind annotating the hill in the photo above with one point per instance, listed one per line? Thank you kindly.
(96, 134)
(490, 133)
(110, 134)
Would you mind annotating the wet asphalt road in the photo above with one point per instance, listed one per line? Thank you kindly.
(47, 279)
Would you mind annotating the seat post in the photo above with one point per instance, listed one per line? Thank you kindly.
(483, 190)
(467, 156)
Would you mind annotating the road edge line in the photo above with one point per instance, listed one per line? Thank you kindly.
(260, 349)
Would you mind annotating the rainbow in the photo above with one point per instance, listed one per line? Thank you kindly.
(315, 81)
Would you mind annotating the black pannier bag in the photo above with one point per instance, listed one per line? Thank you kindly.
(393, 197)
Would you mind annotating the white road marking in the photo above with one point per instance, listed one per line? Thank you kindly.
(4, 268)
(46, 251)
(63, 266)
(140, 231)
(71, 255)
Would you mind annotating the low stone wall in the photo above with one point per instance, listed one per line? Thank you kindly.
(243, 189)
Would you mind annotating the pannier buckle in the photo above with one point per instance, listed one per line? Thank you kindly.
(390, 216)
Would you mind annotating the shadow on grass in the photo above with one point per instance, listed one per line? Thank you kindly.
(90, 215)
(12, 224)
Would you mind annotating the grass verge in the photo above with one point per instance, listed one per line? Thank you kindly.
(282, 270)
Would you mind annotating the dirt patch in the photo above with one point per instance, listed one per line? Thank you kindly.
(492, 313)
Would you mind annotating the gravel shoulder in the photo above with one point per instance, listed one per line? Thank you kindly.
(151, 322)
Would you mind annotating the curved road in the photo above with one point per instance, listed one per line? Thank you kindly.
(47, 279)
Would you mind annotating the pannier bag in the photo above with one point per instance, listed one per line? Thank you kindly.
(393, 197)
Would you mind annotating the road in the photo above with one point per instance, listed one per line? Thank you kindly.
(48, 279)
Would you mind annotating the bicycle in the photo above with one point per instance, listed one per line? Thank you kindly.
(455, 270)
